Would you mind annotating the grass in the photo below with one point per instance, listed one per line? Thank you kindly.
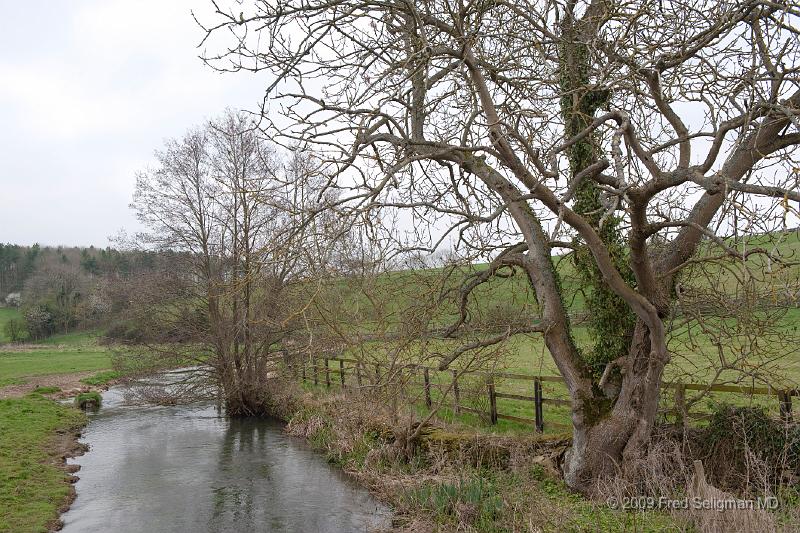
(101, 378)
(7, 314)
(446, 500)
(4, 382)
(557, 418)
(87, 400)
(442, 489)
(46, 390)
(75, 338)
(695, 356)
(32, 486)
(64, 354)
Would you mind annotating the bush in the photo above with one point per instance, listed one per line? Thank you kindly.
(88, 400)
(737, 435)
(15, 330)
(125, 332)
(39, 322)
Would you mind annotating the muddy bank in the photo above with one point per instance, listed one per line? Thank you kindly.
(66, 445)
(70, 385)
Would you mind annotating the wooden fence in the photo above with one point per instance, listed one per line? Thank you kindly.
(359, 370)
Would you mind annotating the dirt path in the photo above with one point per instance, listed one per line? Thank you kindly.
(64, 381)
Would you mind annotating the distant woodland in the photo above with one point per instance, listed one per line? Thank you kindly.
(58, 289)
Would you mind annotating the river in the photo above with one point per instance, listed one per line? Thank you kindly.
(190, 469)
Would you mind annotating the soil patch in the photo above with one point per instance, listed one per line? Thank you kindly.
(66, 382)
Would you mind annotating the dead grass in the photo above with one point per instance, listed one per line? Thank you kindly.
(456, 479)
(669, 479)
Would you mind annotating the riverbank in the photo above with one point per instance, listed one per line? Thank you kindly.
(455, 479)
(37, 435)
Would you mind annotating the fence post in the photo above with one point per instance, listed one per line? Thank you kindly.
(785, 399)
(456, 395)
(537, 402)
(427, 377)
(680, 403)
(303, 367)
(327, 374)
(316, 371)
(358, 373)
(341, 372)
(492, 400)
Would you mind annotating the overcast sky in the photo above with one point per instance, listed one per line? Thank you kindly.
(88, 89)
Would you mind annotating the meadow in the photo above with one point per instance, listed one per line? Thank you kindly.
(62, 354)
(719, 352)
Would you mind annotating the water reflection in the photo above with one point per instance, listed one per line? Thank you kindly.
(186, 468)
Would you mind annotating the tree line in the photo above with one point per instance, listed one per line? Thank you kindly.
(58, 288)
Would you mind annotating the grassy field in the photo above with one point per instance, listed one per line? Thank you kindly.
(32, 486)
(526, 355)
(749, 360)
(61, 354)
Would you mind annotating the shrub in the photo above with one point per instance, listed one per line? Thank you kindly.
(88, 400)
(737, 435)
(125, 332)
(15, 330)
(40, 323)
(468, 502)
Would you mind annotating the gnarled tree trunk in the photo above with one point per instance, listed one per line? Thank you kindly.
(609, 432)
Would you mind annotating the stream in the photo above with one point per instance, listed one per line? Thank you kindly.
(189, 469)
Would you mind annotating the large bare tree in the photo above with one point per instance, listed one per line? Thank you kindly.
(634, 133)
(230, 209)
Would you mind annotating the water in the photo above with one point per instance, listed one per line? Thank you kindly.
(187, 469)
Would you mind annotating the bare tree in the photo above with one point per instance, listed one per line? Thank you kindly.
(222, 200)
(632, 133)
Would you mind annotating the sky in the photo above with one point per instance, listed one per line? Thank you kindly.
(88, 90)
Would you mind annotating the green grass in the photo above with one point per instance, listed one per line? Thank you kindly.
(6, 314)
(46, 390)
(444, 500)
(31, 486)
(528, 356)
(44, 362)
(75, 338)
(76, 352)
(101, 378)
(88, 399)
(4, 382)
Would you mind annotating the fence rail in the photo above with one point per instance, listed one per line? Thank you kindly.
(784, 396)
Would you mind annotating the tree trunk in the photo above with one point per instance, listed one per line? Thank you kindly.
(609, 434)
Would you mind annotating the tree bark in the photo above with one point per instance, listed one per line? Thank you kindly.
(606, 438)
